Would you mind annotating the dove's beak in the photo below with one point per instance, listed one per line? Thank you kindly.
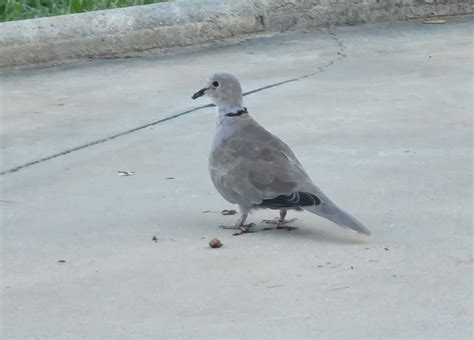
(200, 93)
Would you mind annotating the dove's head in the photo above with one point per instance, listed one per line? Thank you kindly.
(224, 90)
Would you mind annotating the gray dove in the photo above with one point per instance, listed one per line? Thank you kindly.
(254, 169)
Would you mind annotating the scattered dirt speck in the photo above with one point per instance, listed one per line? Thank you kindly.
(125, 173)
(226, 212)
(61, 261)
(155, 239)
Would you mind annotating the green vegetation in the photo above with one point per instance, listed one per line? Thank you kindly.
(11, 10)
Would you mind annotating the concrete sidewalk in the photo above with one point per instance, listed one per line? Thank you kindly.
(383, 126)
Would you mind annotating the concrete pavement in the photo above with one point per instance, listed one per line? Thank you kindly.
(384, 127)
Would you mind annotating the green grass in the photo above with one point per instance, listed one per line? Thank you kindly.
(11, 10)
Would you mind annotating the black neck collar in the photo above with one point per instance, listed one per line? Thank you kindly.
(238, 113)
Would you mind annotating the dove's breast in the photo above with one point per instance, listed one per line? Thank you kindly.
(228, 162)
(220, 162)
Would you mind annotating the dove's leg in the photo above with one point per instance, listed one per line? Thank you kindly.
(240, 224)
(280, 221)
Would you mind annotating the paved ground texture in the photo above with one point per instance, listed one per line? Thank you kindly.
(382, 124)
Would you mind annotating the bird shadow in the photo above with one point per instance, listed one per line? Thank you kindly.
(304, 231)
(343, 237)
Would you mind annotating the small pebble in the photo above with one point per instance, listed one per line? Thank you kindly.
(215, 243)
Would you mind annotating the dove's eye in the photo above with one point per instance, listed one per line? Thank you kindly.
(215, 83)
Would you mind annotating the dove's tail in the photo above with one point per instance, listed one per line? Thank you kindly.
(338, 216)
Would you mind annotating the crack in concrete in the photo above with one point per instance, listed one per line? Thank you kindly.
(342, 48)
(341, 54)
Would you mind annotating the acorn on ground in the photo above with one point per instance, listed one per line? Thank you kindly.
(215, 243)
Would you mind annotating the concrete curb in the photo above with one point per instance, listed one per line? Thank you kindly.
(115, 33)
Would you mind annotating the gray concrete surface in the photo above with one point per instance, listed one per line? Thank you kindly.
(385, 128)
(128, 31)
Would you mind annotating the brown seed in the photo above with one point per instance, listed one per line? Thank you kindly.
(215, 243)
